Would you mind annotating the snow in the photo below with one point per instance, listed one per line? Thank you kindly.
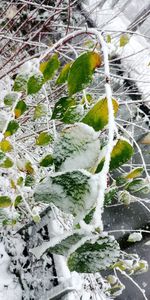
(112, 20)
(77, 148)
(135, 237)
(9, 287)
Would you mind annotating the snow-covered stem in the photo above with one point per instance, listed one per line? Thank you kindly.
(134, 282)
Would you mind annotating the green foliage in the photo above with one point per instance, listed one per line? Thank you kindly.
(11, 98)
(48, 68)
(6, 163)
(40, 111)
(5, 201)
(66, 110)
(97, 117)
(121, 153)
(138, 185)
(73, 192)
(11, 128)
(20, 108)
(34, 83)
(95, 255)
(63, 76)
(81, 71)
(66, 177)
(46, 161)
(44, 139)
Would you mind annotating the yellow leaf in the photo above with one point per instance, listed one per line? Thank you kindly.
(5, 146)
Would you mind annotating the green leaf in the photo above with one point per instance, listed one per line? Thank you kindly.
(18, 200)
(134, 173)
(63, 247)
(5, 146)
(67, 110)
(29, 180)
(73, 192)
(20, 181)
(11, 128)
(62, 106)
(109, 195)
(10, 98)
(20, 109)
(97, 117)
(88, 218)
(108, 38)
(138, 185)
(20, 84)
(124, 39)
(29, 168)
(47, 161)
(94, 256)
(35, 83)
(5, 201)
(63, 76)
(77, 147)
(82, 70)
(40, 111)
(48, 68)
(121, 153)
(43, 139)
(7, 163)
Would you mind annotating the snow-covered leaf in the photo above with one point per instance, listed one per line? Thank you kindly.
(81, 71)
(138, 185)
(63, 247)
(11, 128)
(135, 237)
(40, 111)
(67, 110)
(10, 98)
(48, 68)
(120, 154)
(3, 120)
(34, 83)
(20, 84)
(43, 139)
(97, 117)
(20, 108)
(95, 255)
(77, 147)
(72, 192)
(63, 76)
